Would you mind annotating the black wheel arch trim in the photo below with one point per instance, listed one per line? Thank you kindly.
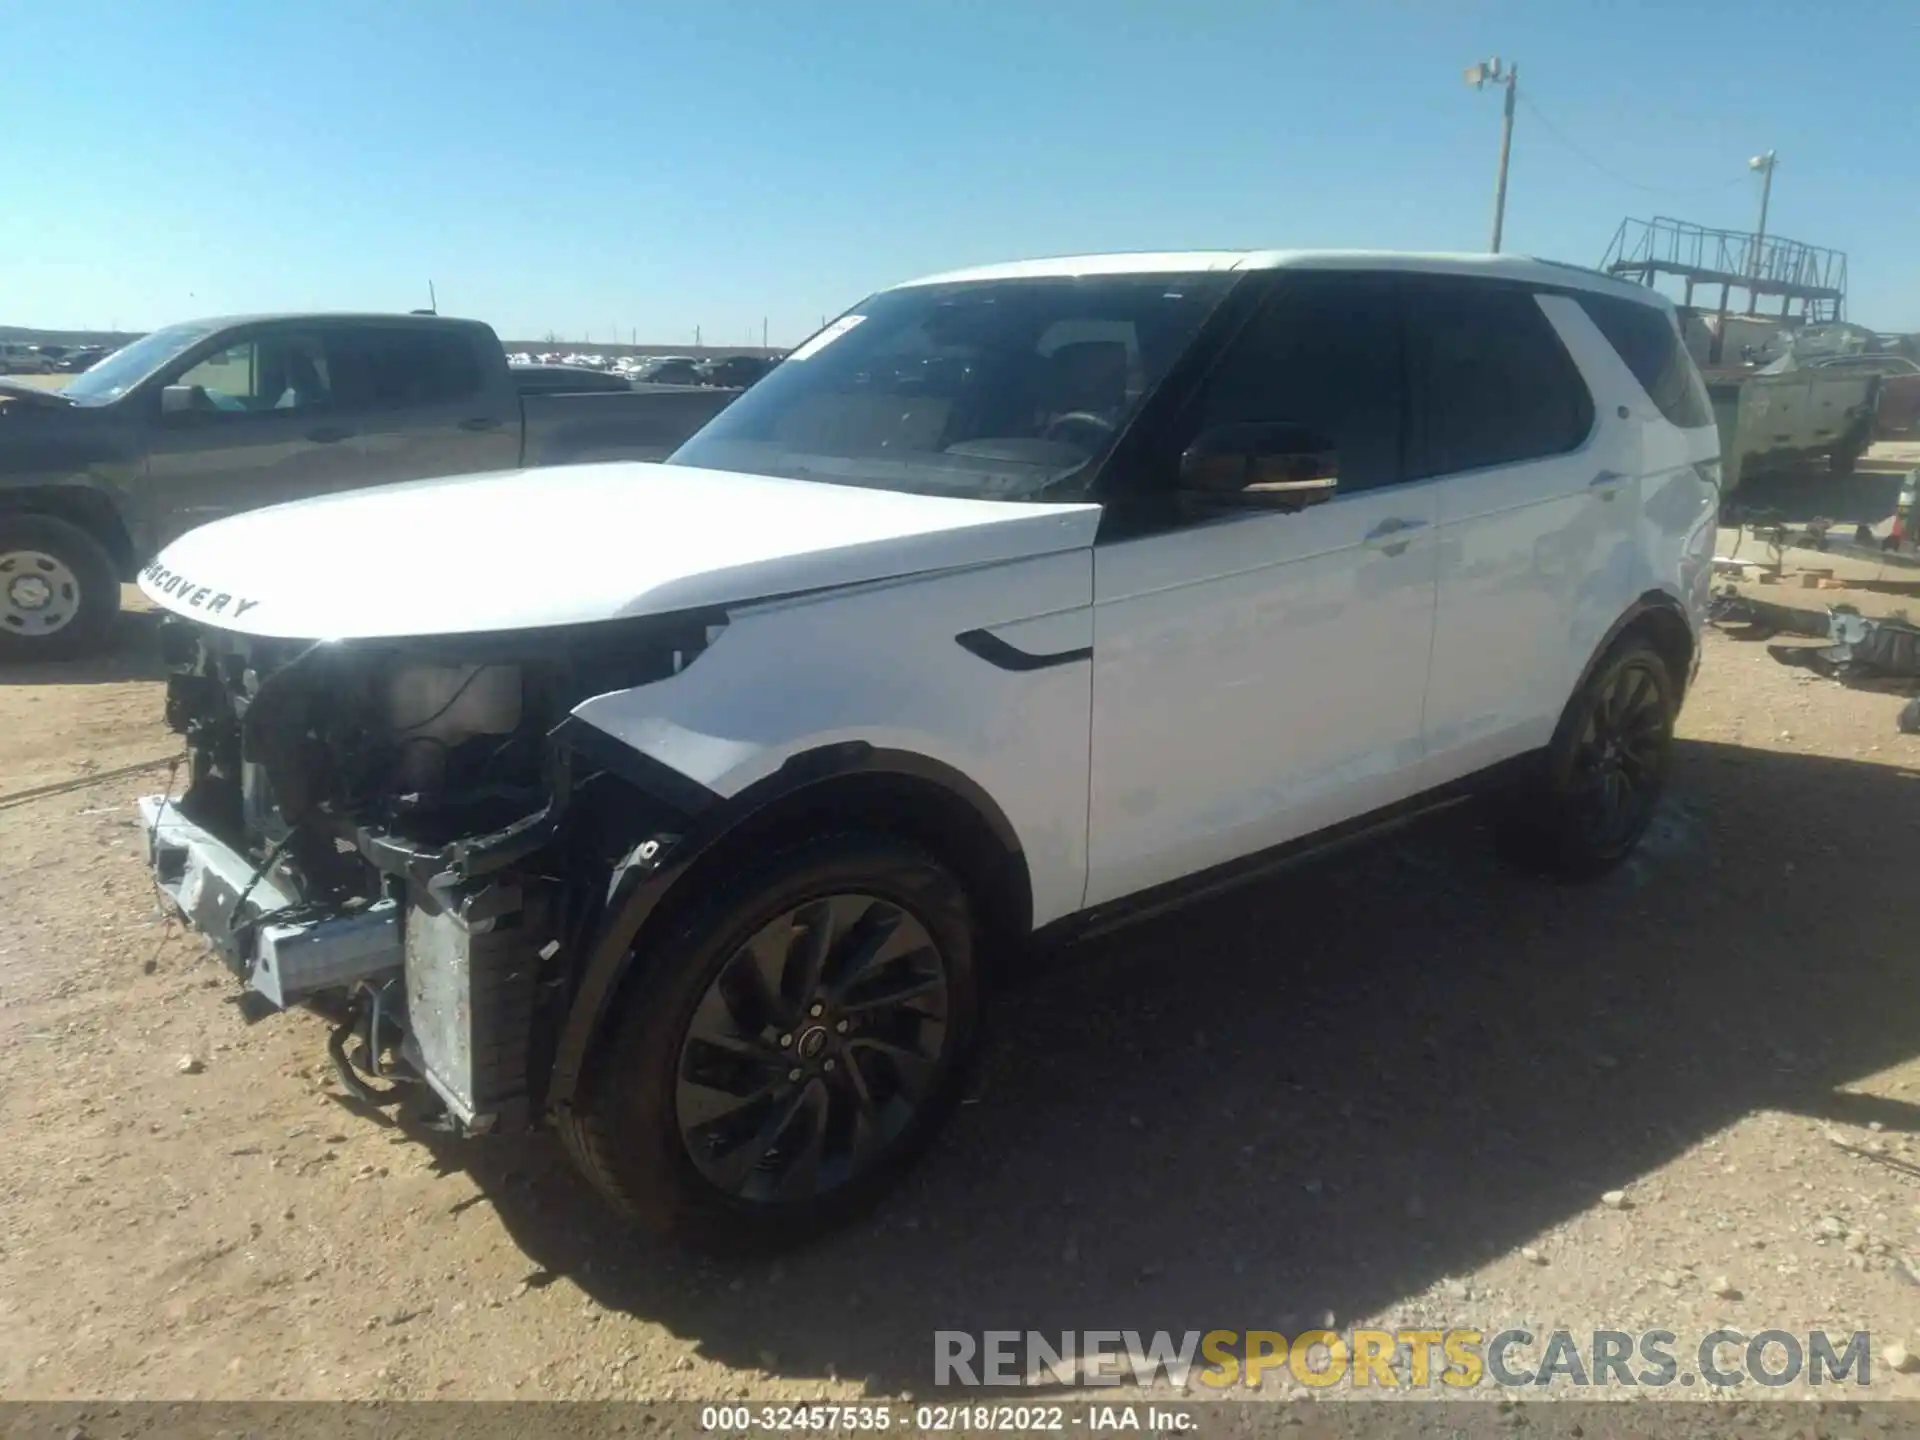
(1002, 655)
(1652, 602)
(650, 876)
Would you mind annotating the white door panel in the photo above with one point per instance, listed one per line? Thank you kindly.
(1511, 579)
(1256, 678)
(1535, 560)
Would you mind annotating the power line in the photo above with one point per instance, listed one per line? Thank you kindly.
(1615, 175)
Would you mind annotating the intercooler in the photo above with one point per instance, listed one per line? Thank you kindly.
(473, 958)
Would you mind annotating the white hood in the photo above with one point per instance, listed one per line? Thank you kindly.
(570, 545)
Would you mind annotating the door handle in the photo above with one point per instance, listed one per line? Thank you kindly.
(480, 422)
(1392, 535)
(329, 434)
(1606, 484)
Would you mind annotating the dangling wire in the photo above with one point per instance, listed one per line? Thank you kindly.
(260, 872)
(1612, 174)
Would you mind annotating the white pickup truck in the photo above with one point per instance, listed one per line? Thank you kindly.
(690, 807)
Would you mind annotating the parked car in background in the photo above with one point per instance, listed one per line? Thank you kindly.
(81, 358)
(668, 370)
(19, 358)
(692, 807)
(553, 379)
(1898, 413)
(738, 371)
(212, 417)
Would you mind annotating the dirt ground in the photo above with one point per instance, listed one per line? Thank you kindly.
(1391, 1088)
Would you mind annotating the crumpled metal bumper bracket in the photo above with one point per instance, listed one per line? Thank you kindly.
(284, 962)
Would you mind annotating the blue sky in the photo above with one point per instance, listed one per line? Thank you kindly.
(582, 165)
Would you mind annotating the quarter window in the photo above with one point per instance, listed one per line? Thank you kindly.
(1499, 386)
(1650, 345)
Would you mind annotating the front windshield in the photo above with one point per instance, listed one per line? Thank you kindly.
(993, 389)
(129, 365)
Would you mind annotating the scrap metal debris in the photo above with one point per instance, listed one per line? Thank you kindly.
(1730, 607)
(1886, 646)
(1860, 648)
(1864, 652)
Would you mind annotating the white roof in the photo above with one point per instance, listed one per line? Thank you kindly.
(1187, 262)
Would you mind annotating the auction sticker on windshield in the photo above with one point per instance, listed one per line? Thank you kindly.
(826, 337)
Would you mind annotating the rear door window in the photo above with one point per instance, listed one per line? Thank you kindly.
(384, 367)
(1649, 342)
(1499, 388)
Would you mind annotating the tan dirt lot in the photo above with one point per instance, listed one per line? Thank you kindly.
(1392, 1087)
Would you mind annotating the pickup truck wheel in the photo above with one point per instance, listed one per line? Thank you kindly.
(1604, 769)
(59, 591)
(787, 1050)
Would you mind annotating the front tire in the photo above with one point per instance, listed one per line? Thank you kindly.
(1604, 770)
(786, 1050)
(59, 590)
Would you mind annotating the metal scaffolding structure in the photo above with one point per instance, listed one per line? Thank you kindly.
(1762, 267)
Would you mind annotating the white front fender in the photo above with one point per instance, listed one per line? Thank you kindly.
(1008, 706)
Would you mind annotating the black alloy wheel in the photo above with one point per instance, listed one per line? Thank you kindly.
(1619, 760)
(812, 1049)
(1599, 783)
(793, 1036)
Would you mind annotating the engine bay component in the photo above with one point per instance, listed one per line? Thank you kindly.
(393, 831)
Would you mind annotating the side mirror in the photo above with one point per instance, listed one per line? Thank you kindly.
(1274, 466)
(184, 400)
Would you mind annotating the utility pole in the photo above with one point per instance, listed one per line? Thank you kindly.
(763, 332)
(1764, 164)
(1490, 72)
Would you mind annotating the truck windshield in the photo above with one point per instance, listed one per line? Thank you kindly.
(993, 389)
(129, 365)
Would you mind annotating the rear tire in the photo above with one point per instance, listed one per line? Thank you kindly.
(59, 590)
(761, 1082)
(1604, 770)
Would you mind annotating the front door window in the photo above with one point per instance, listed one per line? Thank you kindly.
(273, 372)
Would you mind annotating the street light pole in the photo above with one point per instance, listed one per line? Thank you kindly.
(1764, 164)
(1479, 76)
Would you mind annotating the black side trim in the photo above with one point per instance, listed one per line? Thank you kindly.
(997, 652)
(646, 774)
(1248, 869)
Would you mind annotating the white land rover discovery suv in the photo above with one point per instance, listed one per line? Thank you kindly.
(685, 806)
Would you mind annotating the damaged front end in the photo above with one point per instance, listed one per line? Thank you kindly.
(398, 835)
